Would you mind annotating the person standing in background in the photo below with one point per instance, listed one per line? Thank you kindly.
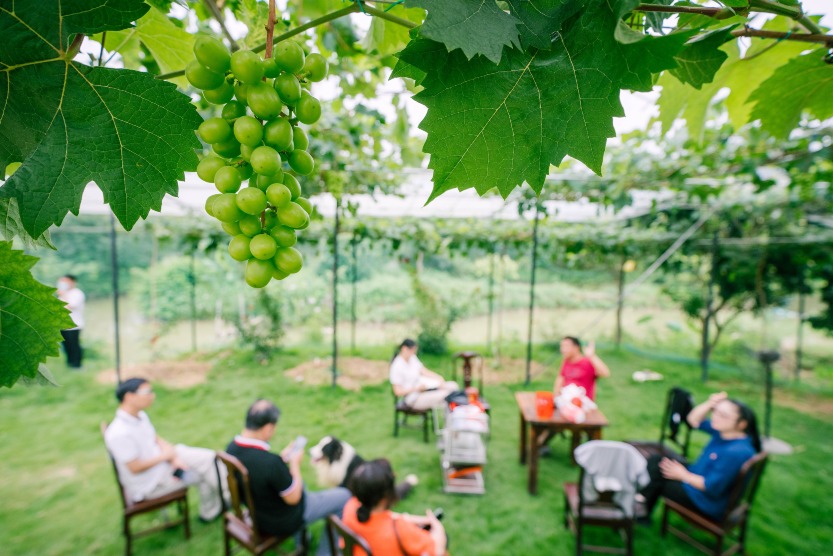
(69, 293)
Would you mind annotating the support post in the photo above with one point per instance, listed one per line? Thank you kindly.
(705, 348)
(800, 336)
(620, 301)
(353, 278)
(491, 298)
(114, 272)
(532, 296)
(336, 227)
(192, 281)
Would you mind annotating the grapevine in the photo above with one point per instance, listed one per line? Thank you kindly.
(258, 149)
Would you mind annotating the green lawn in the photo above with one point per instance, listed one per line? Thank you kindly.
(59, 494)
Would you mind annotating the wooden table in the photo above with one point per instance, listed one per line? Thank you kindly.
(592, 427)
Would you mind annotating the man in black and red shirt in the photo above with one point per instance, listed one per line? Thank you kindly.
(282, 505)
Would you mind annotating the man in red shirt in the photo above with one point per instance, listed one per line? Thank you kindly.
(580, 368)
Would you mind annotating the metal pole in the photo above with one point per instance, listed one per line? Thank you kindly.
(620, 301)
(335, 291)
(532, 297)
(800, 339)
(491, 301)
(192, 280)
(114, 272)
(354, 279)
(704, 348)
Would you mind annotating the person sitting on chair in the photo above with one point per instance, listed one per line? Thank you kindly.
(706, 485)
(421, 388)
(579, 368)
(387, 533)
(282, 505)
(147, 464)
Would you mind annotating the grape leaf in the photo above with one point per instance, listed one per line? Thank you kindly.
(805, 83)
(170, 45)
(701, 57)
(474, 26)
(71, 124)
(386, 37)
(11, 227)
(31, 317)
(502, 125)
(539, 19)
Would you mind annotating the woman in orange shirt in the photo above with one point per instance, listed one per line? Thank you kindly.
(368, 514)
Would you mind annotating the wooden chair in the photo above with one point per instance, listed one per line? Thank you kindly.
(239, 521)
(736, 516)
(669, 444)
(132, 509)
(335, 529)
(603, 512)
(401, 408)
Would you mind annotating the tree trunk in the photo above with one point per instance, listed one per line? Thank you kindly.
(620, 301)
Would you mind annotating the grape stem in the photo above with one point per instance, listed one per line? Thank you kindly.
(270, 30)
(218, 15)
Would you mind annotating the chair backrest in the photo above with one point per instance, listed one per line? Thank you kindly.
(674, 421)
(745, 487)
(617, 462)
(351, 539)
(104, 426)
(241, 493)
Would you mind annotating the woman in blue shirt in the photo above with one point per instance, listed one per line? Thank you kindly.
(706, 485)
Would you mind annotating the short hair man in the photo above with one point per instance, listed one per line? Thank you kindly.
(69, 293)
(147, 464)
(282, 505)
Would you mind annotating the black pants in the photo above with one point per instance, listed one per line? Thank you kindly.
(72, 347)
(660, 486)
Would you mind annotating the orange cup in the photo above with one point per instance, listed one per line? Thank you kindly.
(544, 404)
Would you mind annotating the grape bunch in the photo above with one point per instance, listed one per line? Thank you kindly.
(257, 139)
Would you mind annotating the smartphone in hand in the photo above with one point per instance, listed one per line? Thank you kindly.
(298, 444)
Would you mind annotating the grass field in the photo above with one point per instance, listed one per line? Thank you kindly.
(59, 494)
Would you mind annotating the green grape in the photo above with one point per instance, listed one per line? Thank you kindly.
(264, 101)
(258, 273)
(248, 131)
(289, 56)
(263, 246)
(278, 134)
(227, 179)
(221, 95)
(227, 149)
(201, 77)
(231, 228)
(251, 200)
(263, 181)
(304, 226)
(291, 182)
(214, 130)
(265, 160)
(293, 215)
(289, 88)
(208, 166)
(249, 225)
(209, 204)
(305, 204)
(240, 93)
(225, 208)
(270, 220)
(288, 259)
(246, 152)
(283, 235)
(270, 68)
(299, 138)
(212, 53)
(233, 110)
(245, 170)
(239, 248)
(247, 66)
(301, 162)
(278, 194)
(315, 67)
(279, 274)
(308, 109)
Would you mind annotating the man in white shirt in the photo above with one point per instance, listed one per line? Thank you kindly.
(148, 465)
(74, 298)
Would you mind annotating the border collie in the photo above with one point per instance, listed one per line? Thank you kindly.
(335, 461)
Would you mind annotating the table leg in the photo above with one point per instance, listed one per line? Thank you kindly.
(575, 440)
(595, 434)
(523, 439)
(532, 485)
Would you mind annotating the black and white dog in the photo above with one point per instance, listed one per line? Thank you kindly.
(335, 461)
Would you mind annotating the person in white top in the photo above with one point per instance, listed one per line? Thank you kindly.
(148, 465)
(74, 298)
(421, 388)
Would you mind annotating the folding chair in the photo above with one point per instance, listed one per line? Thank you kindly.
(335, 529)
(678, 404)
